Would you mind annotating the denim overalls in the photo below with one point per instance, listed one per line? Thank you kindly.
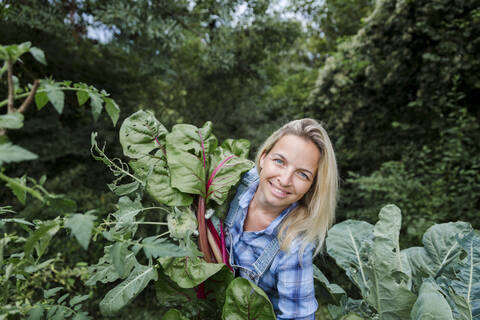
(271, 250)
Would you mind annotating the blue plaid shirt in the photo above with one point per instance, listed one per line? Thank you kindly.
(288, 281)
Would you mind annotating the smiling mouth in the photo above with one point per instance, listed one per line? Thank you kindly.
(278, 192)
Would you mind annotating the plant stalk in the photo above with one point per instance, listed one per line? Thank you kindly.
(202, 230)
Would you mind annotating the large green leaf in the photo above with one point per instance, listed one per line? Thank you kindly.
(127, 290)
(81, 226)
(141, 133)
(188, 150)
(12, 120)
(441, 251)
(189, 272)
(348, 243)
(466, 286)
(154, 170)
(430, 304)
(238, 147)
(245, 300)
(225, 171)
(169, 294)
(388, 271)
(12, 153)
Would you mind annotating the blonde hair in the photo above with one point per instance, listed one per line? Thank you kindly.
(315, 213)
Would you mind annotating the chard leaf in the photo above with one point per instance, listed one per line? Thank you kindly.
(81, 226)
(12, 153)
(225, 171)
(238, 147)
(127, 290)
(346, 243)
(154, 170)
(141, 133)
(173, 314)
(245, 300)
(389, 273)
(13, 120)
(430, 304)
(169, 294)
(189, 272)
(188, 150)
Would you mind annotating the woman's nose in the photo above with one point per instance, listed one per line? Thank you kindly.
(285, 177)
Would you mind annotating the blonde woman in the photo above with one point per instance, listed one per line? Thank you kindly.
(280, 215)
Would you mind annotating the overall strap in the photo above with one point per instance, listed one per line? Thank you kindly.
(266, 258)
(232, 211)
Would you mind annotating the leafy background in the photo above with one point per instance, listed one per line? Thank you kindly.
(396, 83)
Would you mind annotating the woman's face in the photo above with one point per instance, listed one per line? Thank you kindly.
(287, 172)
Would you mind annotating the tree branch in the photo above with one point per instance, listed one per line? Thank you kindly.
(29, 99)
(11, 88)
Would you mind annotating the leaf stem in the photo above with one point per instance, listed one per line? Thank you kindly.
(14, 182)
(26, 94)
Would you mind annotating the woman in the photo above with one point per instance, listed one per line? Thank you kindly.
(280, 215)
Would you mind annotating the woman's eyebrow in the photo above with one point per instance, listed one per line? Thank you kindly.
(283, 158)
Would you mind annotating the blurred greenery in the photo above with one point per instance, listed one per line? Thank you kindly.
(396, 83)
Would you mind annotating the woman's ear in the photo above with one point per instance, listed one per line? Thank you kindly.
(262, 159)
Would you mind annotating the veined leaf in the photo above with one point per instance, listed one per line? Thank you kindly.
(173, 314)
(12, 153)
(389, 273)
(81, 226)
(188, 150)
(225, 171)
(36, 313)
(344, 243)
(245, 300)
(441, 251)
(154, 170)
(189, 272)
(140, 134)
(238, 147)
(123, 293)
(118, 253)
(430, 304)
(329, 292)
(13, 120)
(467, 284)
(169, 294)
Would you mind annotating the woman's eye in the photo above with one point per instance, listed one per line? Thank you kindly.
(303, 175)
(278, 161)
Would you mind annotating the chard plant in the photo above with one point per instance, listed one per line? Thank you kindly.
(189, 176)
(440, 280)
